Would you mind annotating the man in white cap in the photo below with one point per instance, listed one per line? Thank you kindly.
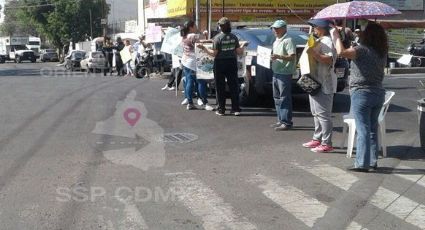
(283, 66)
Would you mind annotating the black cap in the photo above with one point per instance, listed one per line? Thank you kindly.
(320, 23)
(223, 21)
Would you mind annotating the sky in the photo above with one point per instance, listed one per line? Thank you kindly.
(123, 10)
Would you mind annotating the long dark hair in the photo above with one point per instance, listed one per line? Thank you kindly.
(186, 28)
(226, 28)
(374, 36)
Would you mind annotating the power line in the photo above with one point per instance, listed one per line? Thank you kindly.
(29, 6)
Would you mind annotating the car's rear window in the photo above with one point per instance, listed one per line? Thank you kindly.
(97, 55)
(79, 54)
(266, 37)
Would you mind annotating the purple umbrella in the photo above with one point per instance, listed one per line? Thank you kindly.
(356, 9)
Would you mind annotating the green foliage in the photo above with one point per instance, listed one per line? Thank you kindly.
(60, 21)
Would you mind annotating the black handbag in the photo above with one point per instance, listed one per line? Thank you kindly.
(309, 84)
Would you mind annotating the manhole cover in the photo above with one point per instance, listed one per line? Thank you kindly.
(179, 138)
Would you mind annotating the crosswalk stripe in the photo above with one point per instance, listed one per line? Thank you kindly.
(203, 202)
(134, 219)
(333, 175)
(399, 206)
(302, 206)
(383, 198)
(355, 226)
(417, 217)
(402, 207)
(416, 178)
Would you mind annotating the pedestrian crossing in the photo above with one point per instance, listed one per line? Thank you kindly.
(215, 212)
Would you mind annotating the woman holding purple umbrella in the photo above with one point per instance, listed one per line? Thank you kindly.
(367, 92)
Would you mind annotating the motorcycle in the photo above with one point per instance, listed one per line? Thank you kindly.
(418, 52)
(149, 63)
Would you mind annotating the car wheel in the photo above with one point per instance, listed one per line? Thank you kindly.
(248, 95)
(33, 60)
(18, 60)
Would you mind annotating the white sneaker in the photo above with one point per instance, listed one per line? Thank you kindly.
(208, 107)
(200, 103)
(171, 89)
(190, 107)
(185, 102)
(165, 88)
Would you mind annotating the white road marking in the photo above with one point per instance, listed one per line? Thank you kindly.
(417, 217)
(402, 207)
(302, 206)
(203, 202)
(419, 179)
(336, 176)
(399, 206)
(134, 219)
(355, 226)
(383, 198)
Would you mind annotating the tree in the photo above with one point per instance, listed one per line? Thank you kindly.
(63, 21)
(12, 24)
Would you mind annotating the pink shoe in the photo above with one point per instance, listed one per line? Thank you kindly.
(323, 149)
(312, 144)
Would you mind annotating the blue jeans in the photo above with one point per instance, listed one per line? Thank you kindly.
(282, 94)
(365, 107)
(191, 81)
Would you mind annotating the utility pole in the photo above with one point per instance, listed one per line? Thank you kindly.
(91, 25)
(223, 8)
(197, 13)
(209, 18)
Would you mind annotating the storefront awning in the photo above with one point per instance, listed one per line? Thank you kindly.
(395, 24)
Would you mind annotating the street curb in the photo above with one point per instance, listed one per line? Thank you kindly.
(410, 70)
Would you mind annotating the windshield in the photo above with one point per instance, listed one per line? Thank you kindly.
(34, 43)
(265, 37)
(20, 47)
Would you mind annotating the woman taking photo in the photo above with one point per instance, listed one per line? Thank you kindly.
(367, 93)
(190, 38)
(225, 50)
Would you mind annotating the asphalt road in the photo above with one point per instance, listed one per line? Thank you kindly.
(83, 151)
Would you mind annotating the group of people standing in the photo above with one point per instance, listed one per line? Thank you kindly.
(225, 49)
(109, 50)
(368, 59)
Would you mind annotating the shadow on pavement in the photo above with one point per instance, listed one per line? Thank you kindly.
(20, 72)
(388, 170)
(339, 130)
(406, 152)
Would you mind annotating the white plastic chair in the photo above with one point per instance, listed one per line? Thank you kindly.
(351, 125)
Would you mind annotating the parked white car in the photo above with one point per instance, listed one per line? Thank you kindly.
(93, 61)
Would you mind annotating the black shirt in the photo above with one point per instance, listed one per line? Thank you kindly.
(226, 44)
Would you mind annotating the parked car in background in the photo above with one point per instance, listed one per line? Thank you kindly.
(73, 59)
(25, 55)
(93, 61)
(257, 83)
(49, 55)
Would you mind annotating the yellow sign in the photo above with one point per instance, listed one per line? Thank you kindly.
(251, 7)
(177, 8)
